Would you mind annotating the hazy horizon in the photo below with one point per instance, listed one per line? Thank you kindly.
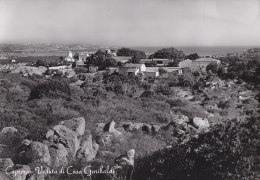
(154, 23)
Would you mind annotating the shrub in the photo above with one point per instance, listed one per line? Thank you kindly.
(223, 153)
(53, 88)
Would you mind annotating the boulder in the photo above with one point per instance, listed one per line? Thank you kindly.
(180, 118)
(5, 162)
(6, 130)
(39, 154)
(75, 124)
(126, 158)
(156, 128)
(26, 142)
(9, 136)
(110, 127)
(106, 133)
(19, 172)
(88, 149)
(50, 135)
(66, 137)
(100, 127)
(104, 139)
(4, 176)
(200, 123)
(59, 156)
(141, 127)
(133, 126)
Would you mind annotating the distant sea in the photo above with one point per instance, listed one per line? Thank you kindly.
(202, 51)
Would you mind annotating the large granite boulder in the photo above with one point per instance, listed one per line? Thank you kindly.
(126, 158)
(106, 133)
(39, 154)
(9, 136)
(179, 119)
(88, 149)
(137, 127)
(19, 172)
(110, 127)
(75, 124)
(156, 128)
(200, 123)
(65, 136)
(5, 162)
(4, 176)
(59, 156)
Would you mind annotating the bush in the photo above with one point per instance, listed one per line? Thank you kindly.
(52, 88)
(223, 153)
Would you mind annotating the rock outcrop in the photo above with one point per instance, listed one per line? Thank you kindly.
(88, 149)
(180, 119)
(107, 132)
(39, 154)
(9, 136)
(64, 142)
(200, 123)
(5, 162)
(75, 124)
(126, 158)
(67, 137)
(141, 127)
(110, 127)
(59, 156)
(16, 172)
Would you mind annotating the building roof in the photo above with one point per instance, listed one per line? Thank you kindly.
(146, 60)
(130, 65)
(112, 67)
(158, 59)
(207, 60)
(132, 70)
(120, 58)
(80, 63)
(172, 69)
(152, 69)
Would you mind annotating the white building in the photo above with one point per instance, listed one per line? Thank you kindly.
(199, 64)
(69, 57)
(151, 72)
(185, 63)
(132, 69)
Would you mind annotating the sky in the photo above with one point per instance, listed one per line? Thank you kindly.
(132, 22)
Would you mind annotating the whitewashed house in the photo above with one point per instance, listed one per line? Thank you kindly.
(132, 69)
(69, 57)
(151, 72)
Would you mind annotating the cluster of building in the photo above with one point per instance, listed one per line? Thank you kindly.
(135, 69)
(128, 68)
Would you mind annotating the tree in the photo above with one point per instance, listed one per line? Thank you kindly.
(193, 56)
(169, 53)
(131, 52)
(162, 71)
(213, 67)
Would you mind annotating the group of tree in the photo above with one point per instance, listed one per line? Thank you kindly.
(102, 60)
(245, 66)
(135, 54)
(169, 53)
(193, 56)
